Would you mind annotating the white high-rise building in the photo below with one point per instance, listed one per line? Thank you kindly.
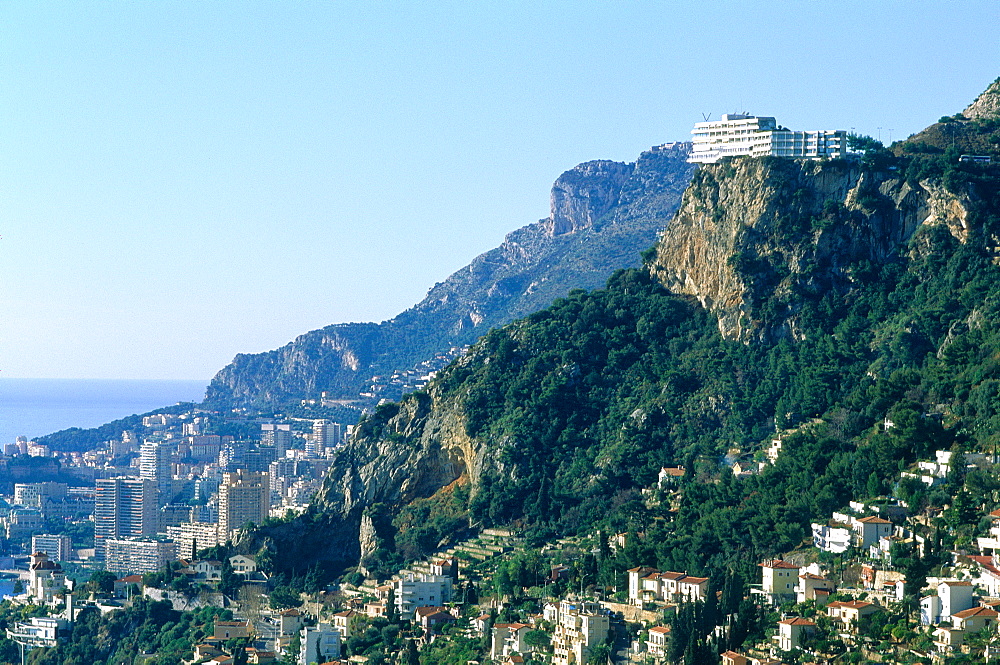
(747, 135)
(57, 547)
(131, 556)
(244, 496)
(156, 463)
(123, 507)
(278, 435)
(326, 434)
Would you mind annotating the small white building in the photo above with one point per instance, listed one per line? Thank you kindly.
(508, 638)
(952, 597)
(38, 631)
(415, 590)
(659, 640)
(869, 530)
(319, 644)
(832, 537)
(791, 631)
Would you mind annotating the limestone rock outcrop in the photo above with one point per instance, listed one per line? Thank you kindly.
(753, 228)
(986, 105)
(584, 194)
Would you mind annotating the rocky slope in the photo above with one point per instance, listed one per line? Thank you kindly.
(755, 228)
(603, 215)
(822, 271)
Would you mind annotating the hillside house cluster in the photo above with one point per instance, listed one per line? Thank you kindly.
(649, 585)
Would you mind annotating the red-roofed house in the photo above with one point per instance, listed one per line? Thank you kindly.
(342, 622)
(850, 612)
(659, 639)
(791, 631)
(508, 638)
(779, 579)
(952, 597)
(635, 585)
(810, 584)
(869, 530)
(692, 588)
(227, 630)
(974, 618)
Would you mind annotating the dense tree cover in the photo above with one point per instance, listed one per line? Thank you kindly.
(587, 399)
(146, 627)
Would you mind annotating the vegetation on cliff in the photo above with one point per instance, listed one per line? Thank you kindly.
(576, 407)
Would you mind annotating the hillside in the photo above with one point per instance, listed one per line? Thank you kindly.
(841, 294)
(603, 214)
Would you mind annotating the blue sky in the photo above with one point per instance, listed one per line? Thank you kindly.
(184, 181)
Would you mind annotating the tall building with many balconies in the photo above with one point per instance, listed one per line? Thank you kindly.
(132, 556)
(156, 463)
(580, 626)
(123, 507)
(244, 496)
(58, 547)
(413, 590)
(748, 135)
(278, 435)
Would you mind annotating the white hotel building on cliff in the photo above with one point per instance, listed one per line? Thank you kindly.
(737, 135)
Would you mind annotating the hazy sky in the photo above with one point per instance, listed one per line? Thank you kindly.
(184, 181)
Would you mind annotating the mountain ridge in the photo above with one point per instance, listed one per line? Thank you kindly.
(878, 279)
(591, 231)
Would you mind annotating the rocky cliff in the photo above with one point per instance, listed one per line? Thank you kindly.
(603, 215)
(561, 416)
(752, 230)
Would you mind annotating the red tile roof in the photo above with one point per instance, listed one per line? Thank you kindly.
(777, 563)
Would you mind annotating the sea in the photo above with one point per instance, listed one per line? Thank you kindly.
(35, 407)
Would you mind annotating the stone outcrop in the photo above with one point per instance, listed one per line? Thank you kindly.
(419, 449)
(753, 228)
(584, 194)
(987, 104)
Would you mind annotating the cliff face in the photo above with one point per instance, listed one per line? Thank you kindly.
(409, 451)
(986, 105)
(603, 215)
(745, 232)
(752, 229)
(584, 194)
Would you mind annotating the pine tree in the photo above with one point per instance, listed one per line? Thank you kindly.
(391, 613)
(412, 655)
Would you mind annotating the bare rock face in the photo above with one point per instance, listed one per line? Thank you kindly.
(751, 229)
(422, 448)
(987, 104)
(584, 194)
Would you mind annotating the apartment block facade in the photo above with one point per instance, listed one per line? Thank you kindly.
(738, 135)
